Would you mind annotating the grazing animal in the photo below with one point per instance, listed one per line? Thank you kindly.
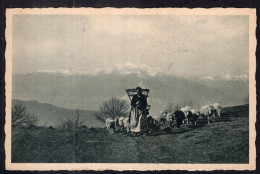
(192, 117)
(218, 108)
(185, 110)
(158, 119)
(116, 119)
(179, 116)
(207, 112)
(193, 111)
(111, 125)
(121, 121)
(169, 118)
(117, 126)
(153, 123)
(163, 120)
(150, 122)
(126, 124)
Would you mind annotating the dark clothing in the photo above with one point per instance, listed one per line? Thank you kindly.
(142, 101)
(138, 115)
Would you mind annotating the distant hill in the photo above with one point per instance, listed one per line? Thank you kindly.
(50, 115)
(87, 91)
(238, 88)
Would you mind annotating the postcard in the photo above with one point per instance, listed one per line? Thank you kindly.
(130, 89)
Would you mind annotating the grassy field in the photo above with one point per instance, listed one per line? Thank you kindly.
(225, 140)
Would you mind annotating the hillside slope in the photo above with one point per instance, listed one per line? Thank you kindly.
(225, 140)
(50, 115)
(88, 92)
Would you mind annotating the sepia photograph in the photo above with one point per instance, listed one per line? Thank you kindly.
(130, 89)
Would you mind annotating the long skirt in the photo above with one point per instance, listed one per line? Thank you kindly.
(138, 120)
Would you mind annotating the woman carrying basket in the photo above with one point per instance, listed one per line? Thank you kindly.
(138, 115)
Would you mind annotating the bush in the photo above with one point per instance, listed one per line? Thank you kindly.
(20, 116)
(72, 120)
(112, 108)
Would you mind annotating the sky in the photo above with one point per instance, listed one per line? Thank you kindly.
(185, 46)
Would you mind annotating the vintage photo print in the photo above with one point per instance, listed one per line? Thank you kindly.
(130, 89)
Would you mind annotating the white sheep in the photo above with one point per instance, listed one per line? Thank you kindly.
(207, 112)
(186, 110)
(110, 124)
(193, 111)
(121, 121)
(169, 118)
(218, 107)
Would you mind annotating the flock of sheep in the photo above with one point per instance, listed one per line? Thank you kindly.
(185, 115)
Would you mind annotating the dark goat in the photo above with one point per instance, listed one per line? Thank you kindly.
(192, 117)
(180, 116)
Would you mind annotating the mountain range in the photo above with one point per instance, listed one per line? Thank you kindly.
(89, 91)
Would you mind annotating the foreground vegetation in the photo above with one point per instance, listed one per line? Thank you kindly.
(225, 140)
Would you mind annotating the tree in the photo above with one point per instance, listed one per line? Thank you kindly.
(21, 116)
(114, 107)
(72, 120)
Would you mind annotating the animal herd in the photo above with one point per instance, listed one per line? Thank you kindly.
(118, 124)
(185, 115)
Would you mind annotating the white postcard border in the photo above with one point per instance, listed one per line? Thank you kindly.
(134, 166)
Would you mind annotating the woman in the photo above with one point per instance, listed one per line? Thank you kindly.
(138, 117)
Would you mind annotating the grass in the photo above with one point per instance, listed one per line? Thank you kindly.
(225, 140)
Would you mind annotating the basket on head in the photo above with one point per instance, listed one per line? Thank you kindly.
(132, 92)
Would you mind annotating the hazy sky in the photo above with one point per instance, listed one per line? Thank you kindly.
(201, 46)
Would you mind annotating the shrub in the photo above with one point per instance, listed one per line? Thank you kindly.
(20, 116)
(112, 108)
(72, 120)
